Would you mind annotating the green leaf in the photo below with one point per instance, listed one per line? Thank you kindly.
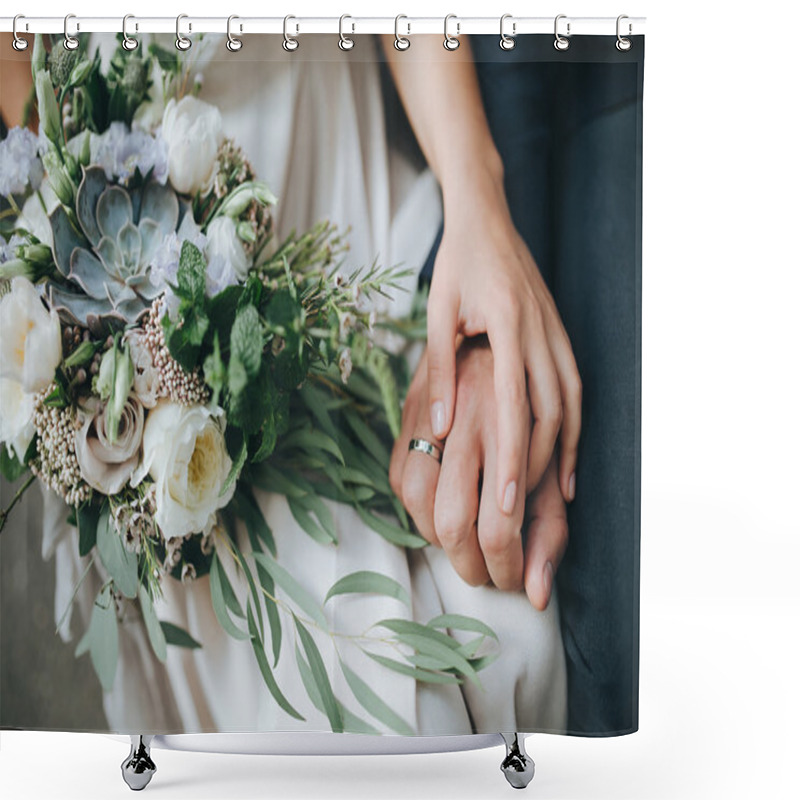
(214, 373)
(320, 676)
(351, 722)
(219, 599)
(321, 529)
(246, 508)
(389, 531)
(178, 636)
(11, 468)
(292, 588)
(426, 676)
(374, 704)
(88, 515)
(368, 438)
(121, 563)
(448, 657)
(313, 440)
(367, 582)
(191, 273)
(273, 614)
(266, 672)
(154, 631)
(461, 623)
(103, 638)
(247, 340)
(409, 626)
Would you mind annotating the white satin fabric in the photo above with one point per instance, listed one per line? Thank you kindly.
(312, 124)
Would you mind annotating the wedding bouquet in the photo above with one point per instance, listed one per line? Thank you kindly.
(162, 355)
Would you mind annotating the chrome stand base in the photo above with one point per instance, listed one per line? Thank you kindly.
(138, 768)
(517, 766)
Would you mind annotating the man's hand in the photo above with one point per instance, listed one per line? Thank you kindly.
(449, 503)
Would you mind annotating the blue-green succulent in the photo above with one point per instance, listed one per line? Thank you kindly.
(107, 257)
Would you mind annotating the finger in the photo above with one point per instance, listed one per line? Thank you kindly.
(546, 539)
(513, 413)
(420, 477)
(499, 534)
(545, 399)
(456, 504)
(442, 330)
(571, 388)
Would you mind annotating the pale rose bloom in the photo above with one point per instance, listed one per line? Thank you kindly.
(30, 337)
(225, 247)
(33, 217)
(192, 130)
(104, 466)
(146, 378)
(184, 453)
(16, 417)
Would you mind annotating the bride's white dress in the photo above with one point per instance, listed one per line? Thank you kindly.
(313, 126)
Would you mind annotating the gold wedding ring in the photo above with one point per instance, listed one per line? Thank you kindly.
(424, 446)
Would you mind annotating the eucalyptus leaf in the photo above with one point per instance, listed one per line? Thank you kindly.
(462, 623)
(320, 675)
(310, 525)
(273, 615)
(289, 584)
(266, 672)
(374, 704)
(103, 638)
(423, 675)
(245, 507)
(390, 531)
(173, 634)
(368, 582)
(121, 563)
(218, 601)
(87, 515)
(154, 631)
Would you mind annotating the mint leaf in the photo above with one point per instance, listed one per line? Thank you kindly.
(247, 340)
(192, 274)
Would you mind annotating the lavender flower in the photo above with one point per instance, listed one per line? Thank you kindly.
(120, 152)
(20, 165)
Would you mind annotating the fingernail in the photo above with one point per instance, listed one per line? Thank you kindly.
(547, 579)
(510, 497)
(571, 487)
(437, 418)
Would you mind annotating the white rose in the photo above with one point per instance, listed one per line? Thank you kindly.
(30, 337)
(16, 417)
(227, 261)
(184, 453)
(34, 219)
(146, 378)
(192, 130)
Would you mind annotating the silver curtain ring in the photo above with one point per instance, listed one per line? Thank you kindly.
(19, 43)
(70, 42)
(345, 43)
(182, 42)
(401, 42)
(128, 43)
(507, 42)
(233, 44)
(290, 43)
(451, 42)
(623, 44)
(561, 42)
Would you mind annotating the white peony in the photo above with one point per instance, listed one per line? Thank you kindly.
(30, 337)
(184, 453)
(192, 130)
(16, 417)
(228, 263)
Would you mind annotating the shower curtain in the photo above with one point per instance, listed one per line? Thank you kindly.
(320, 385)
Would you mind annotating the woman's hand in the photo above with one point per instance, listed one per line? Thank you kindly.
(447, 502)
(486, 281)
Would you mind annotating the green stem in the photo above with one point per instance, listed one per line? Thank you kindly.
(17, 497)
(74, 593)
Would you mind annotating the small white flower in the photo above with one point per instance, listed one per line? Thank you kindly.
(30, 337)
(16, 417)
(20, 165)
(192, 130)
(372, 319)
(120, 152)
(345, 364)
(184, 453)
(347, 323)
(164, 266)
